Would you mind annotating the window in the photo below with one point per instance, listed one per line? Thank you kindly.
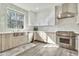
(15, 19)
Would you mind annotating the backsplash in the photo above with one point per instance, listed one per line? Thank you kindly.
(68, 24)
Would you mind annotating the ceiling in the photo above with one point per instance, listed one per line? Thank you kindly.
(35, 6)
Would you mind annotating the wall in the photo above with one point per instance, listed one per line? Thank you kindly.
(46, 17)
(32, 17)
(6, 33)
(3, 18)
(68, 24)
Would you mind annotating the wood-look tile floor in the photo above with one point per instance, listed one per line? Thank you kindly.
(42, 49)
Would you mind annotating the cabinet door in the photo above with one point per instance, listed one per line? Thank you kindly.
(5, 42)
(11, 40)
(17, 43)
(18, 40)
(77, 43)
(14, 40)
(30, 36)
(0, 43)
(22, 39)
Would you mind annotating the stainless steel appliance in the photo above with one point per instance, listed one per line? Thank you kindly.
(66, 39)
(66, 10)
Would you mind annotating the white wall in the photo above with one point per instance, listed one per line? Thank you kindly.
(68, 24)
(32, 17)
(46, 17)
(3, 17)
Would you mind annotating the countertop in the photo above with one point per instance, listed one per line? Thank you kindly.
(76, 32)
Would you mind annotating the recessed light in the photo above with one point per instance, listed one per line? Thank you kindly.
(37, 8)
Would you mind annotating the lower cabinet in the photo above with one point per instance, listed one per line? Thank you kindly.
(76, 43)
(5, 41)
(9, 40)
(0, 43)
(19, 40)
(30, 37)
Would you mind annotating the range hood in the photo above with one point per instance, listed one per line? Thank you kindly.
(66, 15)
(67, 10)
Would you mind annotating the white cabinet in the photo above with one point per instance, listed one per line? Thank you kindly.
(30, 36)
(77, 43)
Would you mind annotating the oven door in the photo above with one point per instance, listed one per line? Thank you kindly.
(64, 41)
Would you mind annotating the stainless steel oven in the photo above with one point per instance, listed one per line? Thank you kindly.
(66, 39)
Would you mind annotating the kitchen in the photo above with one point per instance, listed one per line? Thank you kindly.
(18, 21)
